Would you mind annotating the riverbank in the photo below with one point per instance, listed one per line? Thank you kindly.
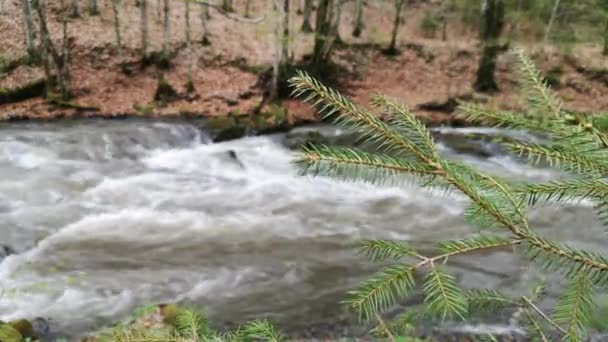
(230, 77)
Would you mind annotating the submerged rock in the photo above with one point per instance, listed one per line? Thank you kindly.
(5, 251)
(320, 135)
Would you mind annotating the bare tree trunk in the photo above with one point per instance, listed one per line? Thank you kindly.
(93, 7)
(285, 38)
(190, 83)
(551, 21)
(204, 17)
(277, 50)
(358, 20)
(158, 10)
(50, 54)
(396, 23)
(323, 39)
(28, 24)
(74, 10)
(64, 70)
(491, 27)
(227, 6)
(337, 18)
(605, 51)
(166, 40)
(306, 27)
(117, 27)
(247, 5)
(143, 7)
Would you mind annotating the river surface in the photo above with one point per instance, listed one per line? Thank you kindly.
(106, 216)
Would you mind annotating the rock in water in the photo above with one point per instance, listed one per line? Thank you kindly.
(9, 334)
(24, 327)
(5, 251)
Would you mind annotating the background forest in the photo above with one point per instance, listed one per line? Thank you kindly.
(207, 59)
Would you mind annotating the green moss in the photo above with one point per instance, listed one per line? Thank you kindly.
(429, 25)
(146, 109)
(9, 334)
(32, 89)
(24, 327)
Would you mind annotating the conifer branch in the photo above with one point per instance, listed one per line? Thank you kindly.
(540, 97)
(382, 291)
(358, 165)
(345, 112)
(575, 307)
(443, 297)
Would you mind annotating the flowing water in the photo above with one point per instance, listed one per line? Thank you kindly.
(108, 215)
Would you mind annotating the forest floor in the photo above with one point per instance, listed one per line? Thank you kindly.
(428, 75)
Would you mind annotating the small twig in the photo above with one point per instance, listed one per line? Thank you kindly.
(388, 332)
(542, 314)
(228, 14)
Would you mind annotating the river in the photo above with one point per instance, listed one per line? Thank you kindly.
(109, 215)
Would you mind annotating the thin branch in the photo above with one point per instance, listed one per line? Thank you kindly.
(229, 15)
(542, 314)
(388, 332)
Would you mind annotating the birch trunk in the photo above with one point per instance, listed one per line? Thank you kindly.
(551, 21)
(28, 24)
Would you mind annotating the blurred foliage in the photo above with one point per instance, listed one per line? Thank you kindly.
(577, 21)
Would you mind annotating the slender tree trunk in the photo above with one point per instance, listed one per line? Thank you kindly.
(28, 24)
(492, 23)
(74, 10)
(190, 84)
(93, 7)
(336, 19)
(247, 9)
(323, 39)
(159, 7)
(285, 37)
(551, 21)
(50, 54)
(306, 27)
(204, 17)
(44, 51)
(358, 19)
(277, 50)
(66, 86)
(143, 8)
(605, 51)
(396, 23)
(115, 4)
(227, 6)
(166, 40)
